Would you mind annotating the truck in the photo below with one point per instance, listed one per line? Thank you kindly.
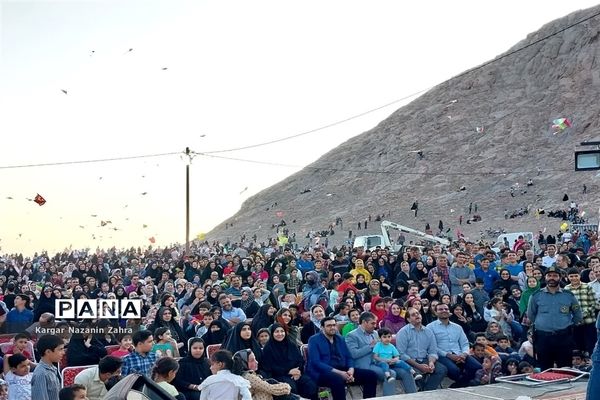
(371, 242)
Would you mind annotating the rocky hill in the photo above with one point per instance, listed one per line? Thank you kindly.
(483, 131)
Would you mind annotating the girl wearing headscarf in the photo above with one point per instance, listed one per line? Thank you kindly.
(313, 326)
(241, 337)
(215, 334)
(532, 286)
(393, 319)
(264, 317)
(373, 290)
(359, 268)
(193, 369)
(504, 283)
(245, 364)
(283, 362)
(164, 319)
(378, 308)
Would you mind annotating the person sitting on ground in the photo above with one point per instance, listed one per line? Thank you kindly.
(491, 369)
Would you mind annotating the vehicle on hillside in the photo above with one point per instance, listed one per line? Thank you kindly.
(371, 242)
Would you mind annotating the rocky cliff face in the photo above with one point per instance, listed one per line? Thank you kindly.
(485, 130)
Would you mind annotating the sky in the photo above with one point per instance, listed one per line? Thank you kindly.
(237, 73)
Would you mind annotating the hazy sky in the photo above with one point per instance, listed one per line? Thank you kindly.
(238, 73)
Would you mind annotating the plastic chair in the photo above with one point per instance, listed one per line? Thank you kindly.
(6, 346)
(212, 349)
(68, 374)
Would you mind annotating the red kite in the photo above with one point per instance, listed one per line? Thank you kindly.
(39, 200)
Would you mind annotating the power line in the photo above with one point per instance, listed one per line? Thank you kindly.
(485, 64)
(319, 128)
(494, 171)
(52, 164)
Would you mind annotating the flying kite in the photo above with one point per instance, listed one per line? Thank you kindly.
(560, 124)
(9, 198)
(144, 193)
(152, 240)
(246, 188)
(39, 200)
(64, 91)
(94, 215)
(144, 226)
(164, 68)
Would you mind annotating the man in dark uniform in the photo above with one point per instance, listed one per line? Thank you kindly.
(554, 312)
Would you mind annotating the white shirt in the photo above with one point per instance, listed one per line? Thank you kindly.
(547, 261)
(225, 386)
(595, 284)
(19, 387)
(90, 378)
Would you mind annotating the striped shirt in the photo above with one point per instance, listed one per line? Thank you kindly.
(45, 382)
(587, 301)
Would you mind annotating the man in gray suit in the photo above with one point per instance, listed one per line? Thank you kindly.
(361, 341)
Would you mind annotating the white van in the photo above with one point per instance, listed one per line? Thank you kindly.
(512, 237)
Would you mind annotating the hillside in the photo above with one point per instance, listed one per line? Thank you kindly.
(514, 100)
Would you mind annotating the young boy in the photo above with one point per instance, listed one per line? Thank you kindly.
(207, 319)
(45, 381)
(503, 347)
(438, 280)
(164, 347)
(19, 346)
(481, 339)
(125, 345)
(492, 368)
(19, 378)
(73, 392)
(386, 356)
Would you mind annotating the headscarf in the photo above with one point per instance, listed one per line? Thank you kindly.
(240, 361)
(313, 290)
(244, 304)
(234, 342)
(380, 314)
(526, 295)
(262, 318)
(216, 337)
(280, 356)
(280, 322)
(313, 318)
(394, 319)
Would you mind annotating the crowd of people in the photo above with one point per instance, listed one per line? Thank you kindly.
(267, 322)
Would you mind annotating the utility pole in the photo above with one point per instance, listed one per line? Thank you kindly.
(187, 200)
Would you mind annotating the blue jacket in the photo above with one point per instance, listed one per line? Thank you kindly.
(319, 355)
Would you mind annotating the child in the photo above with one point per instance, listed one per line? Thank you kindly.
(73, 392)
(386, 355)
(222, 382)
(45, 380)
(19, 378)
(525, 368)
(478, 352)
(278, 287)
(342, 313)
(438, 280)
(512, 366)
(125, 345)
(354, 316)
(19, 346)
(164, 372)
(503, 347)
(3, 390)
(207, 319)
(334, 295)
(263, 337)
(165, 346)
(480, 338)
(492, 368)
(526, 350)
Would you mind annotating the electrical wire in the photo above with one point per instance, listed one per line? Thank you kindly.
(477, 68)
(52, 164)
(494, 171)
(209, 153)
